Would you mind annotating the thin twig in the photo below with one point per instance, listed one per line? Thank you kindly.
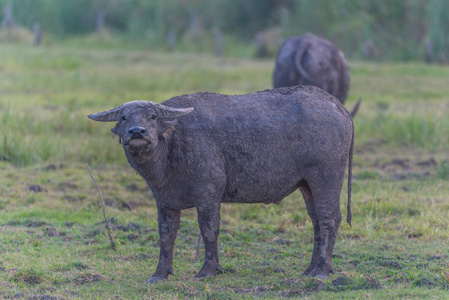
(102, 202)
(280, 228)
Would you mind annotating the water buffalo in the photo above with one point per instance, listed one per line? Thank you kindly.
(312, 60)
(204, 149)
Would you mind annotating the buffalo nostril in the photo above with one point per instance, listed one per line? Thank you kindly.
(140, 130)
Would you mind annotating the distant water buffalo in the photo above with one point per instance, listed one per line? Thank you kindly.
(205, 149)
(312, 60)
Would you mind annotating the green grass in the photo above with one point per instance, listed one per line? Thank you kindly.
(53, 241)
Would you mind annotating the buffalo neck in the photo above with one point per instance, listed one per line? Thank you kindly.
(156, 168)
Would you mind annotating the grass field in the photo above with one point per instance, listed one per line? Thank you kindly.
(53, 242)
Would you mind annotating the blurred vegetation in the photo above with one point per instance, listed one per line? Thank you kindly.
(378, 30)
(53, 244)
(48, 91)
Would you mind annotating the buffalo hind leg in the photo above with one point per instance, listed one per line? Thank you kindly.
(209, 222)
(168, 221)
(310, 205)
(324, 209)
(327, 208)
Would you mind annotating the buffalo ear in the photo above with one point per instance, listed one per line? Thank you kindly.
(114, 129)
(167, 127)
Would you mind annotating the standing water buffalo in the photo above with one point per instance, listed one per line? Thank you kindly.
(312, 60)
(204, 149)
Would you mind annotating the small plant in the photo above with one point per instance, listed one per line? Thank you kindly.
(70, 266)
(28, 276)
(368, 174)
(87, 278)
(443, 170)
(445, 276)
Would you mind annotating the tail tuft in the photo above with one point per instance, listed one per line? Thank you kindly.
(351, 152)
(356, 107)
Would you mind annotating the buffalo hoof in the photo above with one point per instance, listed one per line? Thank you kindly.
(209, 270)
(319, 276)
(305, 273)
(203, 276)
(155, 279)
(319, 270)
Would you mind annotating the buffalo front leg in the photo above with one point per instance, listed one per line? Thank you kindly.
(209, 222)
(168, 221)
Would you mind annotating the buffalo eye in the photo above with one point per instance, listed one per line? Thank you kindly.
(153, 117)
(123, 118)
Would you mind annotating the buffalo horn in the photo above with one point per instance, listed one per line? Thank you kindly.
(166, 112)
(107, 116)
